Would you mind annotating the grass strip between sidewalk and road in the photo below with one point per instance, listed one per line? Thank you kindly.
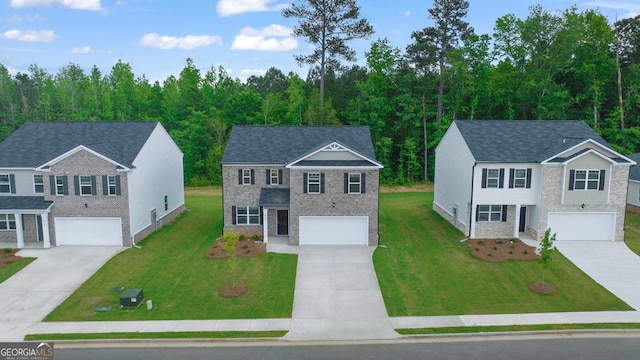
(159, 335)
(517, 328)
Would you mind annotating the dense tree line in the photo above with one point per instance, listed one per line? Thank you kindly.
(564, 65)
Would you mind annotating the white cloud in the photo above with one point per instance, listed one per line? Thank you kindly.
(81, 50)
(233, 7)
(629, 9)
(25, 18)
(265, 39)
(249, 72)
(186, 43)
(30, 35)
(93, 5)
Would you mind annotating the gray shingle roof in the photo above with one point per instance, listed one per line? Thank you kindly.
(634, 171)
(522, 141)
(24, 203)
(283, 144)
(36, 143)
(274, 197)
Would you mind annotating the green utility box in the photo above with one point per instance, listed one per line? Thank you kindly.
(131, 298)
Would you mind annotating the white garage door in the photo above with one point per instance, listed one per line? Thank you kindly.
(583, 226)
(88, 231)
(334, 230)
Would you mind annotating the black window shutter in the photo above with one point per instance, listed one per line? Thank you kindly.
(260, 215)
(512, 173)
(76, 184)
(118, 185)
(529, 178)
(12, 183)
(484, 178)
(601, 185)
(93, 185)
(52, 184)
(572, 176)
(501, 185)
(321, 183)
(346, 183)
(239, 176)
(253, 177)
(478, 211)
(105, 185)
(65, 184)
(280, 176)
(504, 213)
(268, 177)
(233, 215)
(363, 182)
(304, 183)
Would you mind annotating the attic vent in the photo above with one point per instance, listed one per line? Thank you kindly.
(334, 147)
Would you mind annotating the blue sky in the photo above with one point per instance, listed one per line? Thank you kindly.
(246, 37)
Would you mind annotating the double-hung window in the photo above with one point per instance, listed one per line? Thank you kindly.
(85, 185)
(246, 177)
(7, 222)
(490, 212)
(112, 188)
(493, 178)
(248, 215)
(38, 184)
(586, 180)
(313, 183)
(274, 178)
(60, 185)
(355, 183)
(519, 178)
(5, 184)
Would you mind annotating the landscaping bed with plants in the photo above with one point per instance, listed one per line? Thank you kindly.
(499, 250)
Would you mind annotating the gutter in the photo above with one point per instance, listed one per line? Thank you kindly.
(473, 171)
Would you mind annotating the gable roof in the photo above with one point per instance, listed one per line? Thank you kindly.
(36, 143)
(523, 141)
(282, 144)
(634, 171)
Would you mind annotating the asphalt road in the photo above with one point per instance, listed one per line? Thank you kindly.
(571, 348)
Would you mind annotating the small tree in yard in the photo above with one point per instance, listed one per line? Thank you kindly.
(547, 252)
(231, 238)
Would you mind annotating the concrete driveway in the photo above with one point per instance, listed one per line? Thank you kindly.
(337, 296)
(32, 293)
(610, 264)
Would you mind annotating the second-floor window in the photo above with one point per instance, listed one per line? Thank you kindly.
(85, 185)
(5, 184)
(246, 177)
(61, 185)
(355, 183)
(520, 178)
(586, 180)
(313, 183)
(493, 178)
(38, 184)
(112, 189)
(274, 176)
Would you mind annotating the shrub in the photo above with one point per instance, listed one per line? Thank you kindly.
(480, 242)
(513, 246)
(7, 250)
(498, 241)
(495, 248)
(255, 236)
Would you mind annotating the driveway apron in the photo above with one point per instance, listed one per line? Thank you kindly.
(610, 264)
(337, 296)
(32, 293)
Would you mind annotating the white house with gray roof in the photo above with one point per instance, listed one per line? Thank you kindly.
(633, 193)
(502, 178)
(313, 185)
(88, 183)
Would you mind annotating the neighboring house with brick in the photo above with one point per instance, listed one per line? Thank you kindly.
(501, 178)
(633, 193)
(88, 183)
(315, 185)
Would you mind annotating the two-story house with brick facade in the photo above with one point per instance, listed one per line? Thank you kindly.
(501, 178)
(88, 183)
(315, 185)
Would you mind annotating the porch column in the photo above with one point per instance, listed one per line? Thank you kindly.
(19, 232)
(516, 222)
(265, 225)
(46, 240)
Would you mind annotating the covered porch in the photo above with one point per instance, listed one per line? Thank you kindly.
(24, 222)
(275, 213)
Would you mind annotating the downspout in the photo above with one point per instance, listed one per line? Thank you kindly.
(473, 172)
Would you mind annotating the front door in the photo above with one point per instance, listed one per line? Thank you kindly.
(283, 222)
(39, 227)
(523, 219)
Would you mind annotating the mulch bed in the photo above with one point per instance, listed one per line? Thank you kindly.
(244, 248)
(496, 250)
(232, 291)
(538, 288)
(8, 257)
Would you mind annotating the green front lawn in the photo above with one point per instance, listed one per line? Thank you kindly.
(632, 231)
(425, 270)
(174, 273)
(8, 270)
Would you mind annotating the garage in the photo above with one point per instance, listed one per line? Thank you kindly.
(334, 230)
(583, 226)
(88, 231)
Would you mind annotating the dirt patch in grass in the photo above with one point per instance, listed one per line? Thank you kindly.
(204, 190)
(232, 291)
(8, 257)
(544, 289)
(409, 188)
(244, 248)
(499, 250)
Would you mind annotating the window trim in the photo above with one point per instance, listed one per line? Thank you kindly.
(354, 183)
(246, 211)
(111, 186)
(587, 180)
(35, 184)
(84, 187)
(272, 177)
(492, 178)
(60, 186)
(8, 222)
(7, 184)
(314, 183)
